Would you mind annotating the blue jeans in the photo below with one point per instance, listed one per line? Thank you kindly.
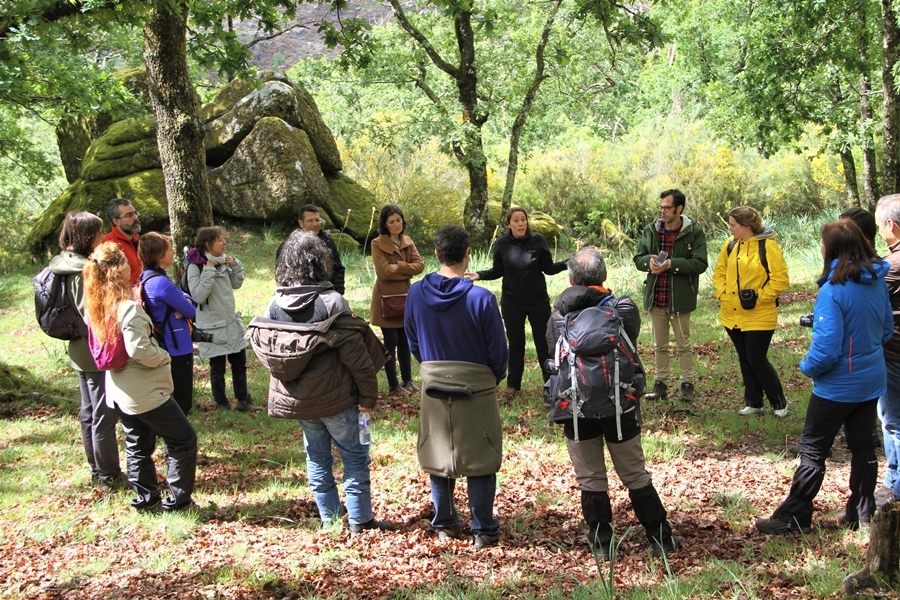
(481, 504)
(343, 430)
(889, 413)
(98, 427)
(168, 422)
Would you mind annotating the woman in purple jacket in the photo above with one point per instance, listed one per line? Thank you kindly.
(170, 309)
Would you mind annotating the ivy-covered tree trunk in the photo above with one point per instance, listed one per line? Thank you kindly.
(179, 130)
(891, 40)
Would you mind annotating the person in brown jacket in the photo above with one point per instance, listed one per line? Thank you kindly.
(396, 262)
(323, 362)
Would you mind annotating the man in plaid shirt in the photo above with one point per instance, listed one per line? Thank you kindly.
(671, 287)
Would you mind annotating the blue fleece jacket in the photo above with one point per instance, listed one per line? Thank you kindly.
(448, 318)
(851, 321)
(161, 295)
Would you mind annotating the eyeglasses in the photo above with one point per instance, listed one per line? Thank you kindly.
(665, 207)
(312, 221)
(130, 215)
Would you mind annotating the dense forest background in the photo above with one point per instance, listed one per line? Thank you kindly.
(585, 109)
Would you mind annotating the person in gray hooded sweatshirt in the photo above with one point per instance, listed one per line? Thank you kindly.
(81, 233)
(323, 362)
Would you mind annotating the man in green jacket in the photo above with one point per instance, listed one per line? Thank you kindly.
(670, 291)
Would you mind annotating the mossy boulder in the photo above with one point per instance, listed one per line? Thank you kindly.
(241, 104)
(350, 206)
(344, 242)
(258, 182)
(268, 153)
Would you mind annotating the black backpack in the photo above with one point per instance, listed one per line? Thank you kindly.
(55, 310)
(598, 371)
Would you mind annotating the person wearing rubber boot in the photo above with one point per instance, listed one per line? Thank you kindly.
(587, 274)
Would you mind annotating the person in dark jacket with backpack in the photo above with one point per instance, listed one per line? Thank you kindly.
(587, 274)
(170, 309)
(81, 233)
(521, 258)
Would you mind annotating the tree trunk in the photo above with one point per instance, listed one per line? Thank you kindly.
(851, 187)
(179, 130)
(473, 118)
(891, 40)
(527, 103)
(883, 554)
(870, 177)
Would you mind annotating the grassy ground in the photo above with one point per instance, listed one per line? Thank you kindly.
(716, 471)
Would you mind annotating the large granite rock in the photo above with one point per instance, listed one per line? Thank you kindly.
(268, 153)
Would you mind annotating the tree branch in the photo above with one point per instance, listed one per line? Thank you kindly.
(527, 103)
(423, 41)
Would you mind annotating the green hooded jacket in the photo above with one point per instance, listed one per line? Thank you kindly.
(688, 261)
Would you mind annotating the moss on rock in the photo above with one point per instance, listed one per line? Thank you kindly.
(350, 206)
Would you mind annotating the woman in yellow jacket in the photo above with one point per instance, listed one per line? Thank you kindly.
(750, 317)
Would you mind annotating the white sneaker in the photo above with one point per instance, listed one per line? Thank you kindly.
(781, 412)
(749, 410)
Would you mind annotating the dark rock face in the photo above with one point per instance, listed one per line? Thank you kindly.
(268, 153)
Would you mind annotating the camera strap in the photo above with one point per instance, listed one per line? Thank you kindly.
(764, 261)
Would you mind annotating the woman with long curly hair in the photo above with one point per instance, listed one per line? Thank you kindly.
(142, 388)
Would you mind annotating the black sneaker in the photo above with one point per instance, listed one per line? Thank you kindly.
(660, 391)
(373, 524)
(149, 508)
(411, 386)
(485, 541)
(774, 526)
(190, 509)
(687, 391)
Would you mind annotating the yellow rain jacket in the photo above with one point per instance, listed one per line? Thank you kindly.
(744, 258)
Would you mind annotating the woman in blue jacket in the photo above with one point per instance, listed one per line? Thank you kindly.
(169, 309)
(851, 320)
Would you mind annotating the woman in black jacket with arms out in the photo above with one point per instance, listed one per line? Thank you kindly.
(521, 258)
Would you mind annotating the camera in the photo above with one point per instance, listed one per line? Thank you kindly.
(198, 335)
(806, 320)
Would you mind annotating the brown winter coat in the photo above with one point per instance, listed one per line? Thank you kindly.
(459, 434)
(318, 369)
(394, 268)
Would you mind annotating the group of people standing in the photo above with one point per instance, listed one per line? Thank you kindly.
(324, 372)
(118, 284)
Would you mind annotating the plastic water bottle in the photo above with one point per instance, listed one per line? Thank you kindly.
(365, 429)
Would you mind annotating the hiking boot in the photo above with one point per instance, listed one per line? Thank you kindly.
(398, 390)
(773, 526)
(112, 484)
(485, 541)
(448, 533)
(687, 391)
(660, 391)
(372, 524)
(225, 406)
(246, 405)
(190, 509)
(667, 546)
(598, 547)
(411, 386)
(149, 508)
(750, 410)
(884, 495)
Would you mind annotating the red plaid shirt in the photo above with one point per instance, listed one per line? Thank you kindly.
(661, 292)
